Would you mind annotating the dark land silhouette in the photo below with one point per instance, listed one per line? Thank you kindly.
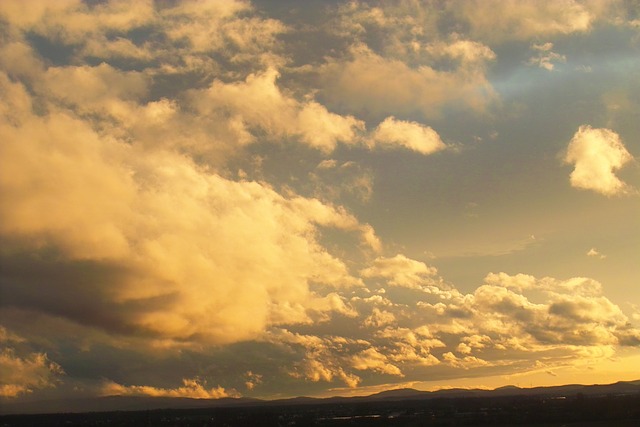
(572, 405)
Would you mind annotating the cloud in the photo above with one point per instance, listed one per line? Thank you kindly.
(596, 154)
(23, 372)
(192, 388)
(545, 57)
(575, 312)
(72, 19)
(508, 316)
(466, 362)
(322, 358)
(182, 170)
(179, 36)
(523, 282)
(216, 122)
(258, 102)
(467, 53)
(593, 252)
(92, 89)
(400, 271)
(315, 370)
(407, 31)
(252, 380)
(372, 359)
(409, 347)
(336, 181)
(396, 30)
(379, 318)
(212, 26)
(526, 19)
(368, 83)
(163, 247)
(411, 135)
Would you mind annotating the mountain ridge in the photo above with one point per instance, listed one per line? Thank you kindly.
(138, 403)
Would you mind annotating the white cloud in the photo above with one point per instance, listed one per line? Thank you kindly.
(596, 154)
(411, 135)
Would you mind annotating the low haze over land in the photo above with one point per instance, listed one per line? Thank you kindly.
(206, 199)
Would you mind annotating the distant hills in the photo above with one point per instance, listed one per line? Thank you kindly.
(140, 403)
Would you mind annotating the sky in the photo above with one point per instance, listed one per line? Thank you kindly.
(280, 198)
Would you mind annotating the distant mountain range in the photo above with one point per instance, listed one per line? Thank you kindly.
(139, 403)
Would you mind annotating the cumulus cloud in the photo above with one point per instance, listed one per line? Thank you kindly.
(191, 388)
(575, 312)
(524, 282)
(171, 241)
(465, 362)
(372, 359)
(177, 38)
(528, 18)
(397, 30)
(126, 183)
(409, 346)
(259, 102)
(323, 358)
(379, 318)
(411, 135)
(510, 316)
(212, 26)
(596, 154)
(368, 82)
(23, 372)
(315, 370)
(400, 271)
(139, 222)
(72, 19)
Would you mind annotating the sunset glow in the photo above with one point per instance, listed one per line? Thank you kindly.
(268, 199)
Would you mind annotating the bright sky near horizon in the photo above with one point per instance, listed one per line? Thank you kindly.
(270, 199)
